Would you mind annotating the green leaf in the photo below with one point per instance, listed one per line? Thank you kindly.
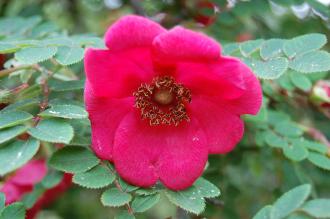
(295, 151)
(315, 146)
(69, 55)
(115, 198)
(288, 129)
(124, 215)
(143, 203)
(291, 201)
(316, 61)
(271, 48)
(16, 154)
(264, 213)
(10, 133)
(274, 140)
(301, 81)
(127, 187)
(13, 211)
(31, 198)
(34, 55)
(67, 85)
(65, 111)
(8, 48)
(319, 160)
(2, 200)
(73, 159)
(52, 179)
(149, 191)
(270, 69)
(304, 44)
(12, 118)
(319, 208)
(248, 47)
(98, 177)
(206, 189)
(187, 200)
(52, 130)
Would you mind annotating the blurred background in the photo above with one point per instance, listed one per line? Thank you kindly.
(251, 179)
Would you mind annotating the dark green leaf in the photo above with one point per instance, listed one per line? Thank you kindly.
(16, 154)
(65, 111)
(12, 118)
(13, 211)
(52, 130)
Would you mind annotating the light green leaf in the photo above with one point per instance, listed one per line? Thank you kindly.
(315, 146)
(67, 85)
(187, 200)
(10, 133)
(98, 177)
(13, 211)
(301, 81)
(143, 203)
(206, 189)
(295, 151)
(52, 130)
(2, 200)
(124, 215)
(264, 213)
(115, 198)
(274, 140)
(304, 44)
(52, 179)
(73, 159)
(288, 129)
(230, 48)
(270, 69)
(34, 55)
(248, 47)
(12, 118)
(69, 55)
(291, 201)
(16, 154)
(65, 111)
(149, 191)
(319, 160)
(127, 187)
(271, 48)
(316, 61)
(319, 208)
(8, 48)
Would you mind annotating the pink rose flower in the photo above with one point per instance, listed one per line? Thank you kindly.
(160, 101)
(23, 181)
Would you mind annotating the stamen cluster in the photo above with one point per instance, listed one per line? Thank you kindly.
(163, 101)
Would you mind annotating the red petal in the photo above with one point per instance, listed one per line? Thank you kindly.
(223, 129)
(144, 153)
(180, 44)
(117, 74)
(105, 115)
(132, 31)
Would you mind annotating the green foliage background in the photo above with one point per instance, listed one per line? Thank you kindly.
(284, 147)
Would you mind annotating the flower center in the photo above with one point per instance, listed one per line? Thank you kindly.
(163, 101)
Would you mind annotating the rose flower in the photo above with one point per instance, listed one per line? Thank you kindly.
(23, 181)
(160, 101)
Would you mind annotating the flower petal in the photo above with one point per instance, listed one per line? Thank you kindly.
(31, 173)
(222, 78)
(251, 99)
(144, 153)
(132, 31)
(223, 129)
(180, 44)
(105, 115)
(117, 74)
